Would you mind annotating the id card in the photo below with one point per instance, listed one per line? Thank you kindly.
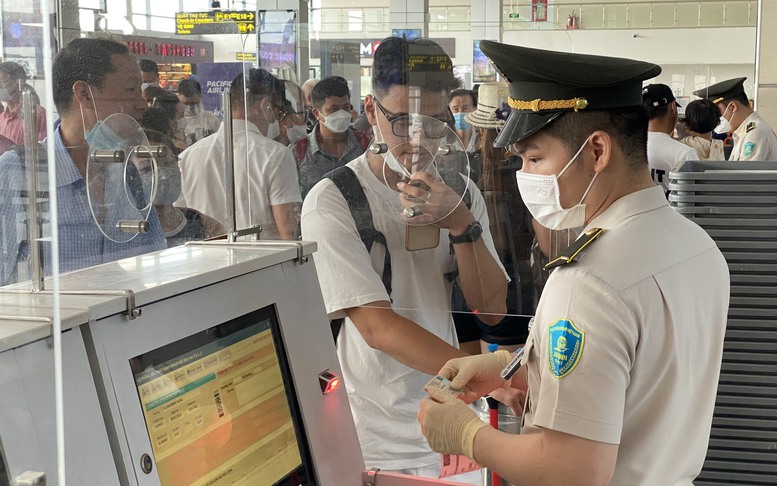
(440, 383)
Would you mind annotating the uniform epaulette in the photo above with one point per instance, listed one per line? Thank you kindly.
(750, 126)
(573, 253)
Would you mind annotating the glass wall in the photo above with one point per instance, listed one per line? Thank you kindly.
(119, 147)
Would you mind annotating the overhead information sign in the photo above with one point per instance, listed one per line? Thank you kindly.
(215, 22)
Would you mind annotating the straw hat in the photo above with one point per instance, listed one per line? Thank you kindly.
(492, 108)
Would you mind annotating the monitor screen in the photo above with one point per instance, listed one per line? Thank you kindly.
(220, 407)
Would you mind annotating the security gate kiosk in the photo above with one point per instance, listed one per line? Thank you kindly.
(210, 364)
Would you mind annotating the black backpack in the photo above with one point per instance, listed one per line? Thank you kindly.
(346, 181)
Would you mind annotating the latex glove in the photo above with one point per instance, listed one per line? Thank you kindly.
(477, 375)
(512, 397)
(449, 424)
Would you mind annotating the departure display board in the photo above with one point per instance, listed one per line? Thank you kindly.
(217, 408)
(215, 22)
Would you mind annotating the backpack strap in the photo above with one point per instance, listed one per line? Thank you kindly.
(348, 184)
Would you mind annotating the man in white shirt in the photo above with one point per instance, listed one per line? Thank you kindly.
(663, 152)
(266, 189)
(753, 138)
(198, 122)
(397, 335)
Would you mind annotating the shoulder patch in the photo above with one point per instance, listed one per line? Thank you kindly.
(750, 127)
(565, 346)
(575, 250)
(747, 150)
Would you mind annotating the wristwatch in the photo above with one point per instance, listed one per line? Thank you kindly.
(470, 235)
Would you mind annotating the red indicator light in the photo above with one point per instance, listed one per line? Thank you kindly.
(329, 382)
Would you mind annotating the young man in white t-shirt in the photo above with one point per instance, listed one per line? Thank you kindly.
(391, 345)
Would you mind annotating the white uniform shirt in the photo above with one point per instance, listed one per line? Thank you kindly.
(648, 301)
(664, 153)
(200, 126)
(754, 140)
(384, 394)
(268, 177)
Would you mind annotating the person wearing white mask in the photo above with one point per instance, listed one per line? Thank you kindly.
(197, 123)
(753, 138)
(149, 72)
(332, 143)
(293, 118)
(266, 189)
(627, 341)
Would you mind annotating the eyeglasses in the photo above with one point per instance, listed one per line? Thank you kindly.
(402, 125)
(297, 117)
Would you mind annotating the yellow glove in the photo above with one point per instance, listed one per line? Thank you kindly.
(477, 375)
(448, 424)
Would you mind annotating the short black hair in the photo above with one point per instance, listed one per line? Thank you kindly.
(13, 70)
(627, 126)
(740, 98)
(189, 87)
(412, 62)
(85, 59)
(464, 92)
(156, 119)
(260, 82)
(702, 116)
(329, 86)
(148, 66)
(656, 111)
(166, 101)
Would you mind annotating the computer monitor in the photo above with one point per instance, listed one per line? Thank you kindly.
(217, 407)
(218, 382)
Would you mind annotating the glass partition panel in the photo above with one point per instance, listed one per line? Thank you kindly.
(616, 15)
(640, 15)
(663, 15)
(591, 16)
(686, 15)
(712, 14)
(740, 14)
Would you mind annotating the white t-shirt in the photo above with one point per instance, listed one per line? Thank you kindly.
(201, 125)
(384, 394)
(265, 175)
(664, 153)
(628, 341)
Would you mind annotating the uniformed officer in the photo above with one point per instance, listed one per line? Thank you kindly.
(623, 359)
(753, 138)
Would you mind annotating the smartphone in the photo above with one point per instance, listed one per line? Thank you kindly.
(421, 237)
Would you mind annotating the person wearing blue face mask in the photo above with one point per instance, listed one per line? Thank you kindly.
(93, 79)
(626, 345)
(462, 102)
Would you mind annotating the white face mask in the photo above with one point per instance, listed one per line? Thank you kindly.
(296, 133)
(724, 126)
(143, 86)
(541, 195)
(273, 130)
(338, 122)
